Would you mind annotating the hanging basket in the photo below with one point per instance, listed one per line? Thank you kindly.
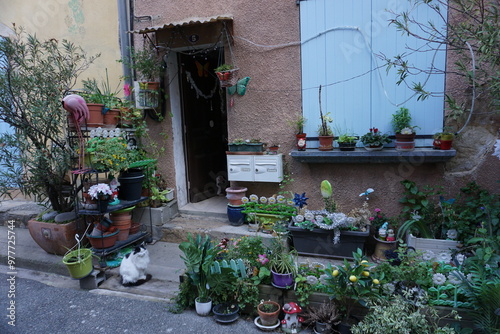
(228, 78)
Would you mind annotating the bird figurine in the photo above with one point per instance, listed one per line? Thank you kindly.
(77, 107)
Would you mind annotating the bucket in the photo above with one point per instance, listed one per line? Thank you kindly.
(130, 184)
(79, 262)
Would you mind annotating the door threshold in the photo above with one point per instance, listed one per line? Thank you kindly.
(214, 206)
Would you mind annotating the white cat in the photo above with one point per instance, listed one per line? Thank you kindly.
(133, 267)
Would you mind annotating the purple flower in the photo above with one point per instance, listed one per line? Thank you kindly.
(262, 259)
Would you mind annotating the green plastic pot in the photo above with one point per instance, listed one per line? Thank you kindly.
(79, 262)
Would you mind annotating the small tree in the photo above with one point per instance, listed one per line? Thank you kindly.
(34, 77)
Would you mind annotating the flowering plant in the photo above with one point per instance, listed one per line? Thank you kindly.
(375, 138)
(378, 218)
(100, 191)
(112, 154)
(351, 283)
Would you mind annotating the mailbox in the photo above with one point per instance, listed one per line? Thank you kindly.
(257, 168)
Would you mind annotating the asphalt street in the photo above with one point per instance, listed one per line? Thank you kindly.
(47, 303)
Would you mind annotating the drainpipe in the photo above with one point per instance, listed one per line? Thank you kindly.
(124, 25)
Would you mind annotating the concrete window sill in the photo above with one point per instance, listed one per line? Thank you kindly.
(361, 156)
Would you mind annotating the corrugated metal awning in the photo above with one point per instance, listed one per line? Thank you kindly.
(184, 23)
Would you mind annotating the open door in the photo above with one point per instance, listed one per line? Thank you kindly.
(205, 123)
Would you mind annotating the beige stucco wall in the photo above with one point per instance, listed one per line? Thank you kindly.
(274, 98)
(91, 24)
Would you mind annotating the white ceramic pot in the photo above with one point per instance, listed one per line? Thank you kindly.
(203, 309)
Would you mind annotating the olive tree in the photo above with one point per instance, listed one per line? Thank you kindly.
(35, 75)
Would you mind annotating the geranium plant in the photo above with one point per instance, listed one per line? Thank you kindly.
(100, 191)
(374, 138)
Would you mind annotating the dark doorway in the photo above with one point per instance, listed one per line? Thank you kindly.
(205, 123)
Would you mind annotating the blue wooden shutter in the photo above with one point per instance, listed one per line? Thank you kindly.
(340, 43)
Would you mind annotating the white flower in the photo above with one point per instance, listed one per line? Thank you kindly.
(416, 216)
(438, 279)
(272, 200)
(454, 277)
(244, 199)
(309, 216)
(254, 198)
(100, 189)
(263, 200)
(290, 202)
(299, 218)
(319, 218)
(406, 131)
(281, 199)
(444, 257)
(452, 234)
(428, 255)
(323, 279)
(460, 258)
(311, 280)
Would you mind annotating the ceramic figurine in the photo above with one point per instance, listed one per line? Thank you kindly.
(291, 323)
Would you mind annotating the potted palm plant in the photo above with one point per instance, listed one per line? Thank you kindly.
(199, 255)
(35, 156)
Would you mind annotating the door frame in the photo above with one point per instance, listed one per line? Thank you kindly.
(179, 149)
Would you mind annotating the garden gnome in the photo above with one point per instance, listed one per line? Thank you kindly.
(390, 235)
(291, 322)
(382, 232)
(114, 184)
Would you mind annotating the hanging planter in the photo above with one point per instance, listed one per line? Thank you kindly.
(79, 262)
(147, 94)
(228, 76)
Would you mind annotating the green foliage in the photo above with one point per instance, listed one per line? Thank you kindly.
(474, 213)
(401, 119)
(35, 75)
(421, 211)
(298, 124)
(375, 138)
(146, 62)
(482, 287)
(95, 93)
(199, 255)
(224, 68)
(281, 259)
(112, 154)
(399, 317)
(347, 139)
(352, 283)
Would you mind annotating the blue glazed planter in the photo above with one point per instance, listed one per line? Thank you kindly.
(235, 216)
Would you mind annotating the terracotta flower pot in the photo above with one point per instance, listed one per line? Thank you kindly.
(325, 143)
(268, 318)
